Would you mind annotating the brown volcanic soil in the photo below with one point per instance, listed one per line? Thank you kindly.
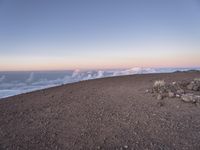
(110, 113)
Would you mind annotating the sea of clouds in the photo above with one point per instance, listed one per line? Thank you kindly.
(14, 83)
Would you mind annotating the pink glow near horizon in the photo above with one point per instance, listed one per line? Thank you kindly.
(100, 63)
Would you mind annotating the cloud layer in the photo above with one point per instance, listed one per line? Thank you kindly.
(34, 82)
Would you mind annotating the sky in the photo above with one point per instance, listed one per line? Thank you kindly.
(98, 34)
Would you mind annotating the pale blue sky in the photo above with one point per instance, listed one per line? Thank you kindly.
(63, 34)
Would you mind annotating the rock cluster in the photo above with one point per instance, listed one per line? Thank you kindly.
(194, 85)
(187, 91)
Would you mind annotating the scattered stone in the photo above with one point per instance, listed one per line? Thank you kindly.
(190, 86)
(190, 98)
(21, 113)
(159, 97)
(174, 83)
(171, 94)
(160, 104)
(125, 146)
(180, 91)
(183, 83)
(197, 98)
(178, 96)
(196, 87)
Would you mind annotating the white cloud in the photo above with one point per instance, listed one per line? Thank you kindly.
(136, 70)
(2, 78)
(30, 78)
(14, 88)
(75, 73)
(100, 74)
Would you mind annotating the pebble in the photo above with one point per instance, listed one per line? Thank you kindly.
(125, 146)
(159, 97)
(171, 94)
(180, 91)
(160, 104)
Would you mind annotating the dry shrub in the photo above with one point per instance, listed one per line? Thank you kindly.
(159, 83)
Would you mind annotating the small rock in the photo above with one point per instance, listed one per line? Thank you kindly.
(178, 96)
(146, 91)
(21, 113)
(180, 91)
(197, 98)
(174, 83)
(190, 86)
(160, 104)
(159, 97)
(125, 146)
(195, 88)
(190, 98)
(171, 94)
(162, 90)
(184, 83)
(197, 104)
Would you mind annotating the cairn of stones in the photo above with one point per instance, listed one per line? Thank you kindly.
(187, 91)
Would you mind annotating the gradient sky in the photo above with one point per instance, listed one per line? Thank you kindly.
(89, 34)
